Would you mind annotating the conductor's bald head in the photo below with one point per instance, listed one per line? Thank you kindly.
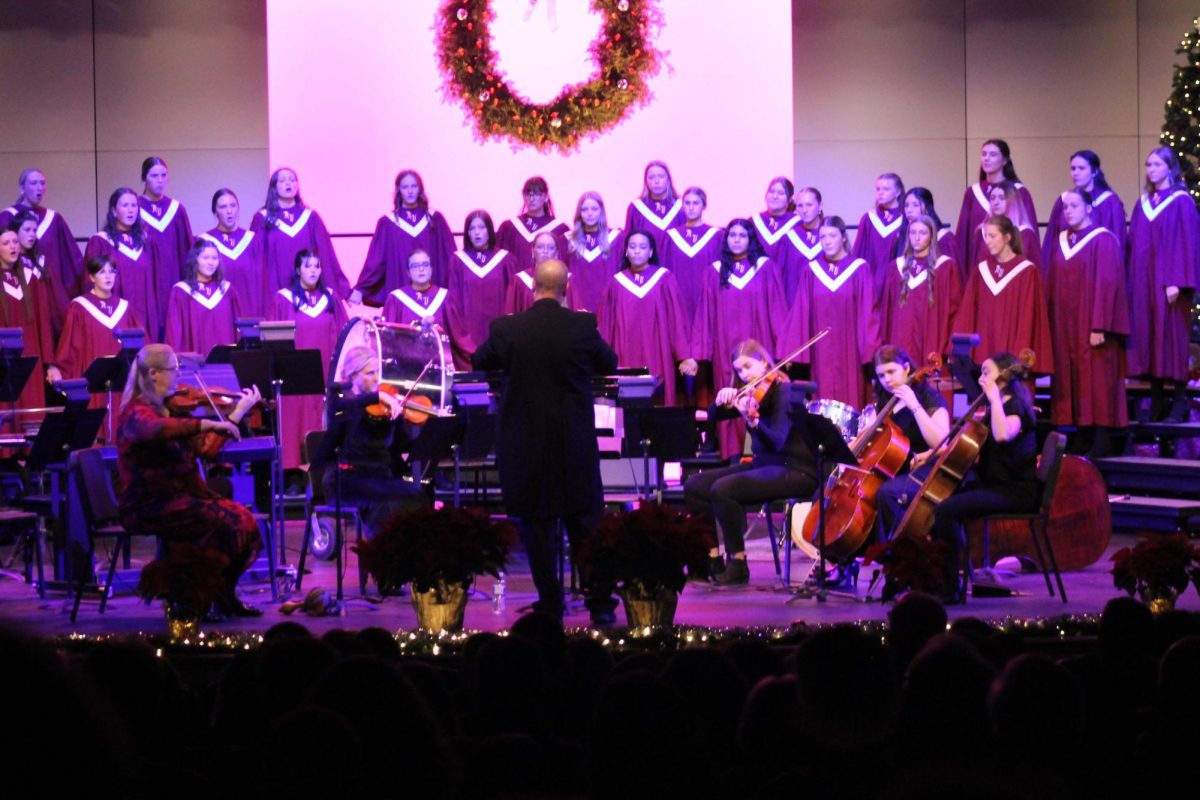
(550, 280)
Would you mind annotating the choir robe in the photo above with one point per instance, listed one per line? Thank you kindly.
(299, 228)
(750, 306)
(1006, 305)
(200, 319)
(689, 253)
(519, 296)
(591, 269)
(839, 296)
(35, 324)
(802, 247)
(1031, 247)
(948, 245)
(242, 266)
(516, 235)
(318, 328)
(878, 231)
(1162, 251)
(654, 217)
(136, 273)
(57, 244)
(1087, 293)
(395, 237)
(87, 334)
(975, 211)
(1107, 212)
(478, 282)
(917, 327)
(642, 317)
(408, 306)
(56, 294)
(772, 231)
(169, 232)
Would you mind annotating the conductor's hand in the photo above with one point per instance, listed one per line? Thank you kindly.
(225, 427)
(249, 399)
(688, 367)
(726, 396)
(1096, 338)
(393, 404)
(1172, 294)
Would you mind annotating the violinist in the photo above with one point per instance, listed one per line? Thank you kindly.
(366, 441)
(162, 491)
(783, 466)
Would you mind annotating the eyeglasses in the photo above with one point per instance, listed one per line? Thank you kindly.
(419, 264)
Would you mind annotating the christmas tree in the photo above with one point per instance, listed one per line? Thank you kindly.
(1181, 128)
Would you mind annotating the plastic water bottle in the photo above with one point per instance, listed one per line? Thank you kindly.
(498, 589)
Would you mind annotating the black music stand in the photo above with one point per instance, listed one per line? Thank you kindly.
(15, 368)
(73, 428)
(665, 434)
(109, 373)
(962, 364)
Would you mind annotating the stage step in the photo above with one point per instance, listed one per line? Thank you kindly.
(1157, 476)
(1165, 514)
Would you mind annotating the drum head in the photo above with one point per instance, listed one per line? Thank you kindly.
(843, 416)
(405, 353)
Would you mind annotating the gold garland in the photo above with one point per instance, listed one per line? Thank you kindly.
(623, 53)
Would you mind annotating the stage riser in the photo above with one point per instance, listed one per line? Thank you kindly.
(1151, 476)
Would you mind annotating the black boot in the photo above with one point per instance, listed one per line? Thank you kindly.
(715, 566)
(736, 573)
(1101, 444)
(1158, 407)
(1082, 441)
(1178, 411)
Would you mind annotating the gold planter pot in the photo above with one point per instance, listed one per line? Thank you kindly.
(183, 622)
(654, 608)
(1159, 602)
(441, 608)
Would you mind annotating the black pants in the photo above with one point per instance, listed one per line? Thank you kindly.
(979, 500)
(727, 491)
(376, 497)
(541, 537)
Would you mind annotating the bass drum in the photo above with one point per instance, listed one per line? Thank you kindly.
(406, 353)
(844, 417)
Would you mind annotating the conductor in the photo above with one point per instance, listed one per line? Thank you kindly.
(546, 448)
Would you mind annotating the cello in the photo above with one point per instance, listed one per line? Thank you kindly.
(881, 451)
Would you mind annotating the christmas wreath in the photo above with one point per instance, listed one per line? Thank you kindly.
(623, 53)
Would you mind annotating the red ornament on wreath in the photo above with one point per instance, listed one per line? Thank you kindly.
(623, 52)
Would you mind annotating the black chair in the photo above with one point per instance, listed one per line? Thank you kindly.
(317, 504)
(1048, 470)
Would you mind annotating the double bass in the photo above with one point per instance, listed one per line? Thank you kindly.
(881, 451)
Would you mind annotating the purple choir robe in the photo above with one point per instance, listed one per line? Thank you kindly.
(1086, 294)
(839, 296)
(1005, 304)
(975, 211)
(88, 334)
(1031, 247)
(802, 247)
(299, 228)
(519, 296)
(910, 321)
(642, 317)
(878, 231)
(27, 308)
(1162, 251)
(591, 269)
(654, 217)
(478, 281)
(689, 253)
(57, 244)
(395, 237)
(1107, 212)
(168, 230)
(408, 306)
(750, 306)
(135, 277)
(319, 322)
(948, 245)
(200, 319)
(516, 235)
(772, 231)
(56, 295)
(242, 266)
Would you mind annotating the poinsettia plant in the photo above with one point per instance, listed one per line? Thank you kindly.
(188, 576)
(427, 546)
(916, 563)
(1156, 566)
(649, 546)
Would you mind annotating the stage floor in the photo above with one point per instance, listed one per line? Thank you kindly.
(764, 603)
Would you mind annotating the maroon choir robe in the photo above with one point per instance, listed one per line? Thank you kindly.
(478, 281)
(56, 294)
(242, 266)
(395, 237)
(26, 307)
(975, 211)
(911, 322)
(773, 230)
(1107, 212)
(298, 228)
(1087, 293)
(1005, 304)
(654, 217)
(57, 244)
(841, 297)
(591, 268)
(136, 274)
(878, 231)
(408, 306)
(750, 306)
(1162, 251)
(200, 319)
(169, 232)
(519, 296)
(87, 334)
(948, 245)
(689, 252)
(319, 321)
(802, 247)
(1030, 246)
(642, 317)
(516, 235)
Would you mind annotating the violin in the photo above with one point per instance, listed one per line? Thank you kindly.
(416, 408)
(185, 401)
